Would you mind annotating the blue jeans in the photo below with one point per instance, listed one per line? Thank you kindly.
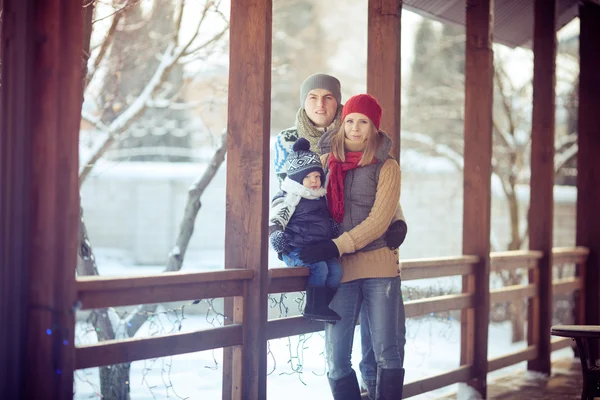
(380, 299)
(323, 273)
(368, 364)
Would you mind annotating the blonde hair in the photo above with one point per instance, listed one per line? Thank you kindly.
(373, 141)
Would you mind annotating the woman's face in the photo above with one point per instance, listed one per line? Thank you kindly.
(357, 127)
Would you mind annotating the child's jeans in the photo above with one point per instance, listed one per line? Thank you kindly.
(321, 273)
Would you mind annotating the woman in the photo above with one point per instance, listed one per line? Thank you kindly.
(363, 192)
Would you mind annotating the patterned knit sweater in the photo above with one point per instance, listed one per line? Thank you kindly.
(383, 262)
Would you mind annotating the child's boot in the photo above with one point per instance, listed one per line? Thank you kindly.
(317, 305)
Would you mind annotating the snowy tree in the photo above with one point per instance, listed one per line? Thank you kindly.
(435, 126)
(118, 111)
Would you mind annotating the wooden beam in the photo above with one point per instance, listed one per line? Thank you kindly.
(120, 351)
(561, 343)
(479, 71)
(542, 180)
(588, 166)
(41, 108)
(248, 122)
(292, 326)
(569, 255)
(566, 285)
(460, 374)
(513, 293)
(461, 301)
(383, 64)
(99, 292)
(513, 358)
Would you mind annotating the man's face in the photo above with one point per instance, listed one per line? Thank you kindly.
(320, 106)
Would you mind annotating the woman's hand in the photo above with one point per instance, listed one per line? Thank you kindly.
(396, 234)
(319, 252)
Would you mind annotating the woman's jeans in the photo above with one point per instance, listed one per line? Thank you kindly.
(323, 273)
(380, 299)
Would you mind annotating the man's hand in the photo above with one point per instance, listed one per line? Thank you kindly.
(396, 234)
(319, 252)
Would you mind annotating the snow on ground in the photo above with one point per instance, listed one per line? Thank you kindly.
(433, 347)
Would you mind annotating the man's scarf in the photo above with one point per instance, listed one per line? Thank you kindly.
(307, 130)
(335, 185)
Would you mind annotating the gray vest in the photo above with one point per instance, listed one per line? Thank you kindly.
(360, 187)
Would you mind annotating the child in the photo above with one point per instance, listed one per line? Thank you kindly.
(299, 218)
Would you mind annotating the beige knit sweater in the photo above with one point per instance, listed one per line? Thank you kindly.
(380, 263)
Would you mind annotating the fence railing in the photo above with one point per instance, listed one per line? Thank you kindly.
(99, 292)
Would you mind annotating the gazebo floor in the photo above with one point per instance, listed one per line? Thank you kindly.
(564, 383)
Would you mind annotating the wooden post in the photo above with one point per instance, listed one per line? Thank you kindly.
(479, 72)
(246, 235)
(588, 166)
(41, 110)
(383, 64)
(542, 180)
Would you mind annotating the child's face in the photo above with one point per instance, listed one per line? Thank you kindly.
(312, 180)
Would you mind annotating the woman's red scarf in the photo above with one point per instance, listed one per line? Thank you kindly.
(335, 187)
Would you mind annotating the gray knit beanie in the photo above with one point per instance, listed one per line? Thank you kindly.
(320, 81)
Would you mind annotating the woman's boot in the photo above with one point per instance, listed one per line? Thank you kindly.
(389, 383)
(345, 388)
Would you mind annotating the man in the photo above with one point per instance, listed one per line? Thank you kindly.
(320, 112)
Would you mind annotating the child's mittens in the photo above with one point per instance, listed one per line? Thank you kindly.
(278, 242)
(335, 229)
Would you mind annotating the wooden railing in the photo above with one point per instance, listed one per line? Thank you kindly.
(97, 292)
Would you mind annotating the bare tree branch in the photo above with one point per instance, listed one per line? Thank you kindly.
(186, 230)
(110, 34)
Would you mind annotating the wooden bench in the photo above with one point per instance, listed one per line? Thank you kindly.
(586, 337)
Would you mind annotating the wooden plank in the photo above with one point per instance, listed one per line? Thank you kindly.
(247, 195)
(42, 44)
(588, 167)
(159, 294)
(561, 343)
(569, 255)
(439, 261)
(566, 285)
(383, 64)
(15, 201)
(98, 292)
(101, 283)
(542, 180)
(479, 71)
(511, 260)
(436, 271)
(530, 353)
(119, 351)
(284, 327)
(460, 374)
(415, 308)
(513, 293)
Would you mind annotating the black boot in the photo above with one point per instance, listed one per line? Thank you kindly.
(317, 307)
(345, 388)
(389, 383)
(330, 294)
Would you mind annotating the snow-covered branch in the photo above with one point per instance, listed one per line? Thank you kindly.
(424, 141)
(565, 156)
(186, 229)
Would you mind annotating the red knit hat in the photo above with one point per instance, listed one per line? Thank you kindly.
(364, 104)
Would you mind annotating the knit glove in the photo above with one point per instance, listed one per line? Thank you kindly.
(335, 228)
(319, 252)
(396, 234)
(278, 241)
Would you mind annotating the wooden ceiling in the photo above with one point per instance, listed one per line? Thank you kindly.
(513, 19)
